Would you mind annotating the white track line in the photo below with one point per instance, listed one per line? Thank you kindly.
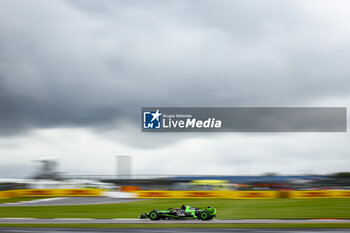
(73, 218)
(35, 201)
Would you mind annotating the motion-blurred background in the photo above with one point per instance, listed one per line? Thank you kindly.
(47, 176)
(74, 75)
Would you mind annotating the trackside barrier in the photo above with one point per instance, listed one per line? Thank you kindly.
(246, 194)
(319, 194)
(342, 193)
(210, 194)
(180, 194)
(9, 194)
(51, 193)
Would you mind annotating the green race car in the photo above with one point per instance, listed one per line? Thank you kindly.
(185, 212)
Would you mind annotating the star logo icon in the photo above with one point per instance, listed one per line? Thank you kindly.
(152, 119)
(156, 115)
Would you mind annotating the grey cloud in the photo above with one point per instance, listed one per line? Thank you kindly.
(90, 64)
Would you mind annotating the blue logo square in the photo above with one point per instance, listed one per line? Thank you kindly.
(152, 120)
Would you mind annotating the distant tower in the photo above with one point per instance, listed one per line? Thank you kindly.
(47, 169)
(123, 166)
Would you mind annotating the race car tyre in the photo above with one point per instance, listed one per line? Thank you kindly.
(204, 215)
(153, 215)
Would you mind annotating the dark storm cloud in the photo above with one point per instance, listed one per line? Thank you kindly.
(91, 63)
(19, 112)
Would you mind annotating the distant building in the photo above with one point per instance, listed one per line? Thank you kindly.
(124, 167)
(47, 169)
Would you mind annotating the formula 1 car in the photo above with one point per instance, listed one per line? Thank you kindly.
(185, 212)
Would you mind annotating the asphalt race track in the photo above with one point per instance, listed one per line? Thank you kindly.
(147, 221)
(71, 201)
(167, 230)
(161, 230)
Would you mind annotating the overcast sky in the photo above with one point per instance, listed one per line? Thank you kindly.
(75, 74)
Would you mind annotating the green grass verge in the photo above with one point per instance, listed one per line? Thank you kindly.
(263, 225)
(226, 209)
(17, 199)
